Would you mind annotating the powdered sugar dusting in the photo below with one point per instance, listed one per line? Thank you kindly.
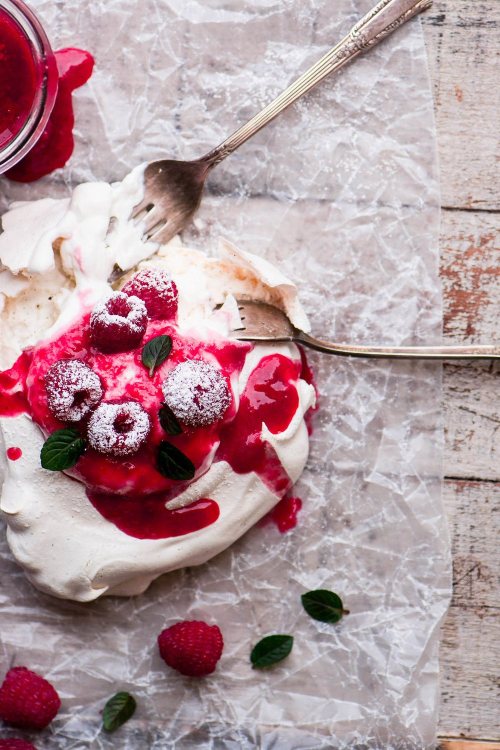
(73, 390)
(197, 392)
(157, 290)
(118, 322)
(109, 311)
(118, 429)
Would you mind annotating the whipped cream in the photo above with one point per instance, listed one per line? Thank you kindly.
(57, 256)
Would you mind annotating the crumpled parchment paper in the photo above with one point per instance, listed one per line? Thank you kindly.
(342, 193)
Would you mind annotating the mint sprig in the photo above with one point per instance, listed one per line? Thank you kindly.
(155, 352)
(271, 650)
(62, 449)
(323, 605)
(169, 421)
(118, 710)
(173, 463)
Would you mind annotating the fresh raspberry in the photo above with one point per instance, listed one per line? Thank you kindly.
(197, 393)
(73, 390)
(118, 429)
(16, 744)
(157, 291)
(118, 323)
(27, 700)
(191, 647)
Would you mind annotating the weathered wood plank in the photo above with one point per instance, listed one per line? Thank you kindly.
(470, 642)
(463, 40)
(472, 421)
(470, 273)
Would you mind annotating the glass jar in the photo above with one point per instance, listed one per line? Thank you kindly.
(28, 81)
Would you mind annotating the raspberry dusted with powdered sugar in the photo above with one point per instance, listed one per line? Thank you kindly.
(118, 323)
(118, 429)
(157, 291)
(197, 393)
(27, 700)
(73, 390)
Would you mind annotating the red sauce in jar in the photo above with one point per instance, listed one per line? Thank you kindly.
(19, 79)
(55, 145)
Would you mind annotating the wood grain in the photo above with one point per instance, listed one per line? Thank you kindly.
(472, 421)
(470, 272)
(470, 643)
(463, 43)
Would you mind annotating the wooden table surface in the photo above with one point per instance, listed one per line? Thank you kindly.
(463, 45)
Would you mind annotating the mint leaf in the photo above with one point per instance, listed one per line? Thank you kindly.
(62, 449)
(155, 352)
(323, 605)
(270, 650)
(169, 421)
(117, 711)
(172, 463)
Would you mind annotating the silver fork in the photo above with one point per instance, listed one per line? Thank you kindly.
(173, 189)
(263, 322)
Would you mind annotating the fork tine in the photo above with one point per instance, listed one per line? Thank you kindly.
(262, 322)
(144, 206)
(163, 232)
(150, 223)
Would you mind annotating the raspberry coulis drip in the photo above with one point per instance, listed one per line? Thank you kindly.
(284, 514)
(270, 396)
(14, 453)
(129, 491)
(147, 518)
(55, 145)
(13, 398)
(307, 374)
(19, 80)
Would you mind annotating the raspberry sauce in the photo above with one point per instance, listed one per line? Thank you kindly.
(130, 491)
(18, 79)
(147, 517)
(307, 374)
(13, 399)
(55, 145)
(270, 396)
(284, 514)
(14, 453)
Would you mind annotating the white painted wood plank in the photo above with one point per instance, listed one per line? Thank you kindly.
(470, 642)
(463, 42)
(470, 272)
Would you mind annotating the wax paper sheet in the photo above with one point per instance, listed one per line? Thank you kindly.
(342, 193)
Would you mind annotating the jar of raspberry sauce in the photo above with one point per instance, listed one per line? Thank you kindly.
(28, 81)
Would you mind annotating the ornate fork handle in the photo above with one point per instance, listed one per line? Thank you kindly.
(472, 351)
(384, 18)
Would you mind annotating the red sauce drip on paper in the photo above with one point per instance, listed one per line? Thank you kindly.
(14, 453)
(130, 492)
(55, 145)
(284, 514)
(18, 79)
